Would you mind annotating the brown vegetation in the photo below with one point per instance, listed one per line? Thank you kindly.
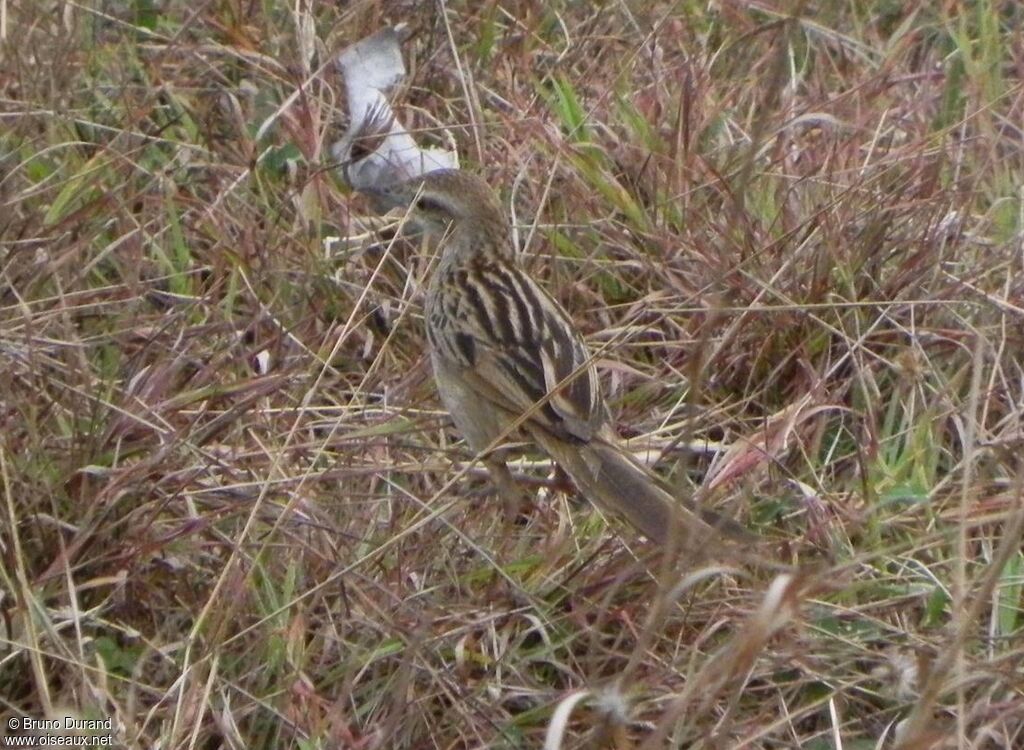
(235, 516)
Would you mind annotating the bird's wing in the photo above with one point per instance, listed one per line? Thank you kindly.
(517, 346)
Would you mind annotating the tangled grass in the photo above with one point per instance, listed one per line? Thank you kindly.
(235, 516)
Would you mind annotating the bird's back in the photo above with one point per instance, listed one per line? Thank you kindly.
(514, 342)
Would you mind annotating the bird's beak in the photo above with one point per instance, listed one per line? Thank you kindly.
(384, 199)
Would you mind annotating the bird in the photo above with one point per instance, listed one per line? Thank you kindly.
(507, 356)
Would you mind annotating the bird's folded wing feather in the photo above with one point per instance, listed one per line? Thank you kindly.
(524, 349)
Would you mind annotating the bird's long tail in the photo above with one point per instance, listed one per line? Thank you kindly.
(617, 483)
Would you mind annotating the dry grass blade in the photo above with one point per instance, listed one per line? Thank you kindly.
(234, 514)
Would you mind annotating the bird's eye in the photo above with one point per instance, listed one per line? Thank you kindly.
(426, 203)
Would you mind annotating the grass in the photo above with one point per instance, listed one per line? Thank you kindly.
(234, 514)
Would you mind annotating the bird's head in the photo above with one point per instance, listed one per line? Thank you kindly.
(443, 200)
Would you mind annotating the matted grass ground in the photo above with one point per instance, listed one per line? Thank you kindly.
(234, 515)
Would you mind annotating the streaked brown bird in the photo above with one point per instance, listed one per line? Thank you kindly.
(503, 350)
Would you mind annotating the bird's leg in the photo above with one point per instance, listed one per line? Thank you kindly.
(513, 500)
(562, 482)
